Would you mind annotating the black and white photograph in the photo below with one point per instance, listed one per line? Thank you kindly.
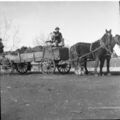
(59, 60)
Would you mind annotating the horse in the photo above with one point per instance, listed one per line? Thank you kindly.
(105, 54)
(115, 40)
(81, 52)
(76, 51)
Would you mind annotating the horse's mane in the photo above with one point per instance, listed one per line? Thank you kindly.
(104, 40)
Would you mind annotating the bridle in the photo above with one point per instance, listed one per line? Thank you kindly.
(105, 47)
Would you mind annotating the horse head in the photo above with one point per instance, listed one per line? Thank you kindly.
(117, 39)
(108, 32)
(107, 37)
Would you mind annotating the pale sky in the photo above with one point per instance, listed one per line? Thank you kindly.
(78, 21)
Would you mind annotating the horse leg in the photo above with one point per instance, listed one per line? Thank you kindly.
(76, 70)
(80, 67)
(76, 67)
(96, 66)
(108, 65)
(82, 70)
(85, 66)
(102, 60)
(0, 69)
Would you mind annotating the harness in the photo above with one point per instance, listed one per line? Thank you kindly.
(102, 45)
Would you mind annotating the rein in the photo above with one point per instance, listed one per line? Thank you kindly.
(108, 50)
(117, 42)
(102, 44)
(85, 55)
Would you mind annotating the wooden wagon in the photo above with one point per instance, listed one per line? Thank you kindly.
(48, 60)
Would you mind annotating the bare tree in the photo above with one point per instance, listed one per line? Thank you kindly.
(39, 40)
(15, 37)
(119, 7)
(9, 32)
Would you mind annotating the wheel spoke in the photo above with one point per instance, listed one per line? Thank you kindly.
(64, 68)
(22, 67)
(48, 67)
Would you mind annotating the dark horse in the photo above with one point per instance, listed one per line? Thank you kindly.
(115, 40)
(99, 51)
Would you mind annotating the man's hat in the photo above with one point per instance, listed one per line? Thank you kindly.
(57, 28)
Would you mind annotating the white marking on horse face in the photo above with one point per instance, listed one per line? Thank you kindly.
(109, 34)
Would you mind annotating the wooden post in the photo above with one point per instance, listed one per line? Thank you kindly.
(19, 57)
(34, 56)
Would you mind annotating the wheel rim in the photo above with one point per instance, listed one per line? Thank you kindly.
(22, 67)
(64, 68)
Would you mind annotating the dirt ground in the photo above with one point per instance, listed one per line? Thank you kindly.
(59, 97)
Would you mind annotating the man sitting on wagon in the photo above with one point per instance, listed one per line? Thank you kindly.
(56, 38)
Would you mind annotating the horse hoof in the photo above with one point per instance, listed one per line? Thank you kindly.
(101, 74)
(86, 72)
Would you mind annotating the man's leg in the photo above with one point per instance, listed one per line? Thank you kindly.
(56, 43)
(96, 66)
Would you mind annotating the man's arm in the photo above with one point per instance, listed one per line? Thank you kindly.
(62, 39)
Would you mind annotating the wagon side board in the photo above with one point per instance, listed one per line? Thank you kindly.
(30, 57)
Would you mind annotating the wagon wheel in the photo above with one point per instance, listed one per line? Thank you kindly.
(48, 66)
(22, 68)
(64, 68)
